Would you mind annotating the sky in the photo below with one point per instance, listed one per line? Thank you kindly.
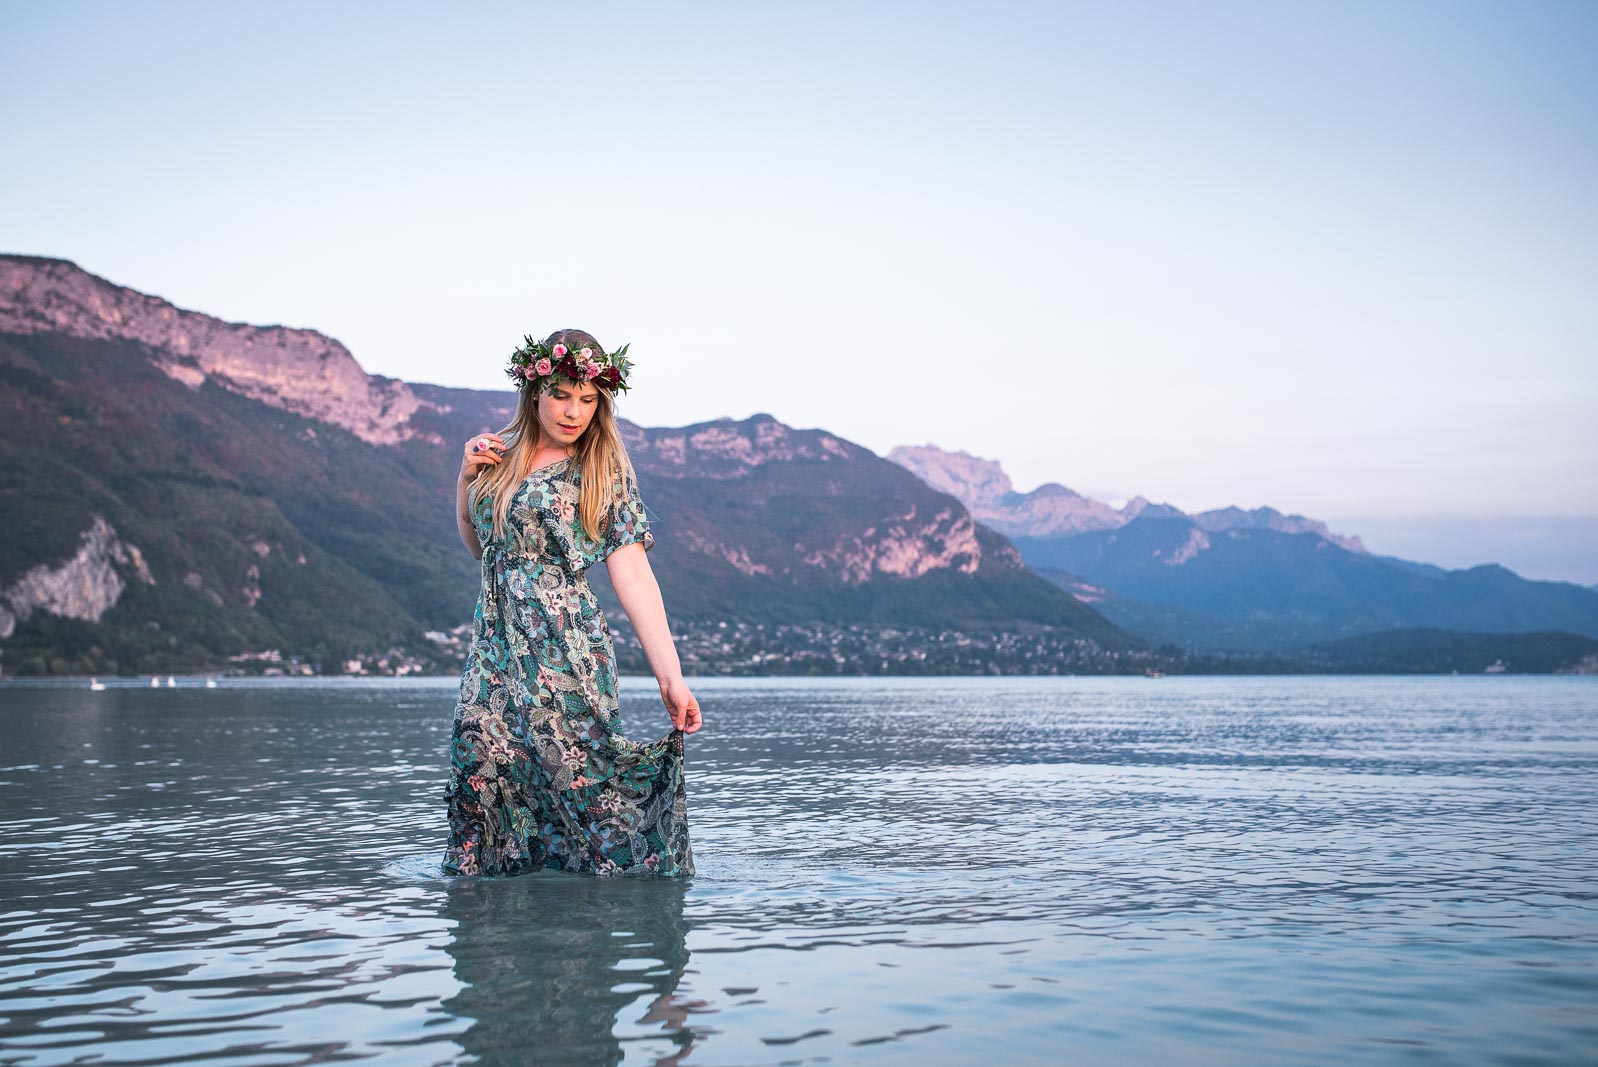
(1334, 258)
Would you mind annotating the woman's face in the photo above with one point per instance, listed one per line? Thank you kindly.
(565, 410)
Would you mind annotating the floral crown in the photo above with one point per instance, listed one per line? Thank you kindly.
(540, 362)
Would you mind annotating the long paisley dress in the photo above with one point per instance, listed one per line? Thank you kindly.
(540, 772)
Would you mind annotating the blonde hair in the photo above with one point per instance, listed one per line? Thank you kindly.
(600, 454)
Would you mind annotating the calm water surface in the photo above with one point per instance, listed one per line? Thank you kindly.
(1214, 870)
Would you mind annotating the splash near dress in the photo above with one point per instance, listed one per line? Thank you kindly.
(540, 772)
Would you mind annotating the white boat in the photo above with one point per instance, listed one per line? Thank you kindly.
(171, 682)
(96, 684)
(210, 683)
(155, 683)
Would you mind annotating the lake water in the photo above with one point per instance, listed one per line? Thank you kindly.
(929, 871)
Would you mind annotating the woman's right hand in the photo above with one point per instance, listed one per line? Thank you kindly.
(480, 455)
(681, 706)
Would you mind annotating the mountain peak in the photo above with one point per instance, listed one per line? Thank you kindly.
(1235, 518)
(1055, 489)
(734, 448)
(1140, 507)
(982, 486)
(974, 481)
(40, 261)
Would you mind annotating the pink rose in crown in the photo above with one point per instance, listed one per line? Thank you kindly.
(559, 350)
(530, 373)
(591, 370)
(587, 354)
(543, 367)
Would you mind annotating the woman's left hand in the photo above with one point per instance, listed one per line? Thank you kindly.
(681, 705)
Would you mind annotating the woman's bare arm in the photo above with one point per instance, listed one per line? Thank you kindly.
(639, 593)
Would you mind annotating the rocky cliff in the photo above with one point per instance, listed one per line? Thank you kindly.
(84, 587)
(301, 371)
(885, 527)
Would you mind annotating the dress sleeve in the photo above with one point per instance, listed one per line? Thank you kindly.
(626, 524)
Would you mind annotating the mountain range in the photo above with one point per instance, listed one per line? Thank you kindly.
(1232, 580)
(179, 492)
(1052, 510)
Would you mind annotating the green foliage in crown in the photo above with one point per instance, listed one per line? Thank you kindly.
(540, 363)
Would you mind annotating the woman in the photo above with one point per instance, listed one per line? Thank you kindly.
(540, 774)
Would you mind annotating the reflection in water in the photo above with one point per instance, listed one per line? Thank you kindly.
(566, 968)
